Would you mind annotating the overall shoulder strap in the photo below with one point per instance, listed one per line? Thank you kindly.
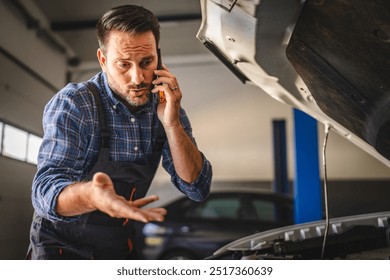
(104, 132)
(161, 138)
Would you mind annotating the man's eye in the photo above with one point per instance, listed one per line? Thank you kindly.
(123, 64)
(146, 63)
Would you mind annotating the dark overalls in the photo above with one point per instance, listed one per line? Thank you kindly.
(96, 235)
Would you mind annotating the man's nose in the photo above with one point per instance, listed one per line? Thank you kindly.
(136, 75)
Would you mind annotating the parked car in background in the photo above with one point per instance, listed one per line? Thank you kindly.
(194, 230)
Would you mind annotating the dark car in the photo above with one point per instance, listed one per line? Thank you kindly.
(194, 230)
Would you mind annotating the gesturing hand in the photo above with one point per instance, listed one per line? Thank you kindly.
(104, 198)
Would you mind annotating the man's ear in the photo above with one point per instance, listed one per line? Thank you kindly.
(102, 59)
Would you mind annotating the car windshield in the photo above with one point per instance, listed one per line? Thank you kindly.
(232, 207)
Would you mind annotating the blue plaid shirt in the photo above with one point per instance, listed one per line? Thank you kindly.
(71, 143)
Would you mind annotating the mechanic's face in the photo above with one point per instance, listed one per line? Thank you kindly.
(129, 62)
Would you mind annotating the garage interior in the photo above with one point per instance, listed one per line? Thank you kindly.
(46, 44)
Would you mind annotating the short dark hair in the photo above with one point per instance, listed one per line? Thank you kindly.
(128, 18)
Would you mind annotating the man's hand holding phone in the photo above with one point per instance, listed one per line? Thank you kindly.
(166, 85)
(164, 80)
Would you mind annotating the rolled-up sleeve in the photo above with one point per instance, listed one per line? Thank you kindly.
(61, 159)
(199, 189)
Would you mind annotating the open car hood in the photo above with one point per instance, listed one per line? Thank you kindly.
(330, 59)
(353, 237)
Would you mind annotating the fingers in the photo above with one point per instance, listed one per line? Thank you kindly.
(163, 73)
(169, 90)
(107, 201)
(166, 78)
(154, 214)
(161, 211)
(146, 215)
(118, 207)
(150, 214)
(126, 209)
(167, 86)
(145, 200)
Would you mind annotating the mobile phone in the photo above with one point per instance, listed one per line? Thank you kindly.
(159, 67)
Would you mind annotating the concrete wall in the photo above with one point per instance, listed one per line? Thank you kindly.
(22, 97)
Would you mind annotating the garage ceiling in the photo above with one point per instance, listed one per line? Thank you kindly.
(74, 21)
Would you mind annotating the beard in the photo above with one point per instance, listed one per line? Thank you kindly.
(136, 101)
(127, 96)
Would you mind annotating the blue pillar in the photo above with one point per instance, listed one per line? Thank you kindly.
(281, 183)
(307, 183)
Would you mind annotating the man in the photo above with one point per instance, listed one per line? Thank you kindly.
(102, 144)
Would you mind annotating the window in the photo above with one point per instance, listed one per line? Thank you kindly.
(217, 208)
(19, 144)
(15, 142)
(34, 142)
(265, 210)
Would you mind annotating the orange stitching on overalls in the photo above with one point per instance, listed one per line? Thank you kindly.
(131, 199)
(132, 193)
(130, 244)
